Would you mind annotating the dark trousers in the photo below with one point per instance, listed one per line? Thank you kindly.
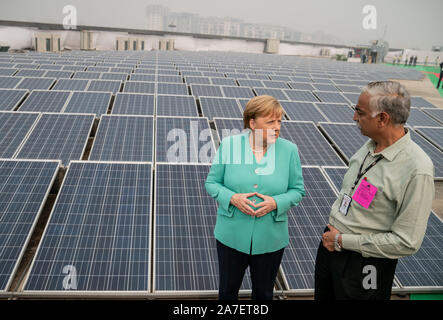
(232, 266)
(439, 79)
(347, 275)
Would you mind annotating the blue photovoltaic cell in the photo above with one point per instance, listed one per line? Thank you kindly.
(86, 75)
(424, 268)
(420, 102)
(24, 186)
(276, 93)
(433, 152)
(124, 138)
(139, 87)
(346, 137)
(306, 224)
(114, 76)
(301, 86)
(228, 127)
(324, 87)
(14, 126)
(172, 88)
(89, 102)
(336, 175)
(71, 84)
(220, 107)
(275, 84)
(352, 97)
(435, 113)
(301, 95)
(302, 111)
(184, 140)
(58, 136)
(336, 112)
(142, 77)
(9, 98)
(333, 97)
(250, 83)
(7, 71)
(100, 225)
(197, 80)
(169, 78)
(419, 118)
(36, 83)
(350, 89)
(133, 103)
(45, 101)
(237, 92)
(30, 73)
(203, 90)
(185, 247)
(176, 106)
(223, 81)
(104, 86)
(313, 148)
(435, 135)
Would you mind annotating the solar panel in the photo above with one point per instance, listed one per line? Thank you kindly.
(314, 149)
(170, 105)
(45, 101)
(71, 84)
(184, 140)
(223, 81)
(351, 89)
(7, 71)
(433, 134)
(89, 102)
(30, 73)
(276, 93)
(10, 98)
(324, 87)
(142, 77)
(139, 87)
(99, 230)
(420, 102)
(226, 127)
(435, 113)
(169, 78)
(9, 82)
(346, 137)
(104, 86)
(124, 138)
(333, 97)
(58, 74)
(306, 223)
(237, 92)
(352, 97)
(301, 86)
(24, 186)
(301, 95)
(172, 88)
(220, 107)
(424, 269)
(36, 83)
(133, 103)
(336, 112)
(58, 136)
(302, 111)
(336, 175)
(86, 75)
(14, 127)
(275, 84)
(185, 247)
(250, 83)
(198, 90)
(435, 154)
(197, 80)
(419, 118)
(114, 76)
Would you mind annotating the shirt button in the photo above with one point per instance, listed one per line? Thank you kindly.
(256, 171)
(255, 186)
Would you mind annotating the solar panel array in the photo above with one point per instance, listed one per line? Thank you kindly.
(173, 105)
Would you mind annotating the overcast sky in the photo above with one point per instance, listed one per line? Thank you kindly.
(410, 23)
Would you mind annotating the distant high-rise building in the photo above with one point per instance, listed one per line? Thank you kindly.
(157, 17)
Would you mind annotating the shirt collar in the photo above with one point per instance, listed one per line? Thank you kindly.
(390, 152)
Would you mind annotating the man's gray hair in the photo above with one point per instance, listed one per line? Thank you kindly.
(390, 97)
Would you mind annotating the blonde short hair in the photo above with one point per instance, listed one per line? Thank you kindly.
(261, 106)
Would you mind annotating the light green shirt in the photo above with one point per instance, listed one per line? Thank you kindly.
(395, 223)
(235, 170)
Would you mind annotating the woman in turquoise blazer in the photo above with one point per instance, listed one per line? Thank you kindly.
(256, 177)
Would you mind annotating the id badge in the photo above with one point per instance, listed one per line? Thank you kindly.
(365, 194)
(345, 203)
